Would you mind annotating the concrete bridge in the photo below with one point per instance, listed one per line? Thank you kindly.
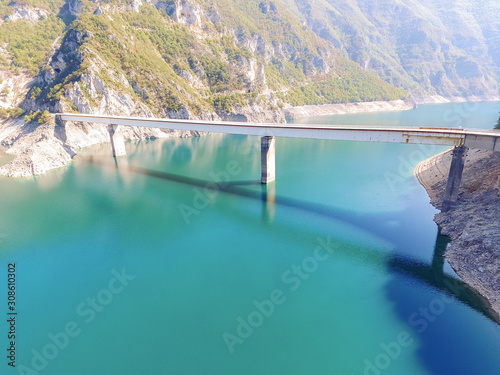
(460, 139)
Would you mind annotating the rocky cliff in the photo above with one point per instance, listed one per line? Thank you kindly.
(473, 226)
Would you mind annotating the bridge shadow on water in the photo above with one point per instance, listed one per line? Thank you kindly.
(432, 275)
(448, 344)
(407, 300)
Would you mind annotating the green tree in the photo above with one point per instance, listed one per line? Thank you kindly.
(35, 92)
(497, 126)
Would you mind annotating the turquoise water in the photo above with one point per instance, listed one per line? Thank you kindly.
(176, 260)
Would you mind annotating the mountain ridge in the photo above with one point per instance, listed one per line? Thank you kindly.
(430, 48)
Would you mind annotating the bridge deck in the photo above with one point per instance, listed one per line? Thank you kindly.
(438, 136)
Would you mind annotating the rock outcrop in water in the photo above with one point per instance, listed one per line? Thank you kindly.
(473, 226)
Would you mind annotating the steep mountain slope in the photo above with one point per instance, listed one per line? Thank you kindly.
(182, 58)
(429, 47)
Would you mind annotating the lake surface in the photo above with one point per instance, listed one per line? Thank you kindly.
(175, 260)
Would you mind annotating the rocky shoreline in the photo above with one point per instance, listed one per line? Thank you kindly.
(473, 225)
(40, 148)
(438, 99)
(294, 113)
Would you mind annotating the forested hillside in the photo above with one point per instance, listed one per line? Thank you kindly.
(170, 58)
(428, 47)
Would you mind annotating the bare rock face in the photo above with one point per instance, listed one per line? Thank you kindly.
(474, 228)
(43, 156)
(474, 224)
(256, 44)
(254, 113)
(36, 148)
(101, 99)
(72, 7)
(182, 12)
(26, 12)
(192, 80)
(13, 88)
(255, 74)
(294, 113)
(136, 5)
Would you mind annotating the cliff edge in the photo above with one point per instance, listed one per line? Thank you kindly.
(473, 225)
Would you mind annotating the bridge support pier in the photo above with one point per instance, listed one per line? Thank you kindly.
(267, 159)
(117, 141)
(454, 178)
